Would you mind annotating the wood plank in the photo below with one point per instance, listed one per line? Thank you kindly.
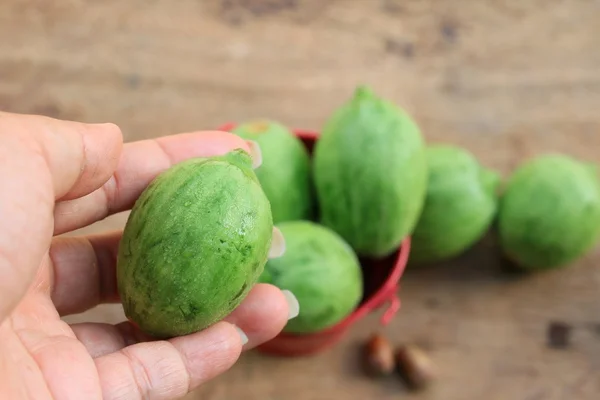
(506, 79)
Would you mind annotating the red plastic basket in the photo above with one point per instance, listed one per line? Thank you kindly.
(381, 280)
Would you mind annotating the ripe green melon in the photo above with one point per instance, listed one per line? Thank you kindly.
(194, 245)
(549, 212)
(285, 171)
(321, 270)
(370, 173)
(460, 205)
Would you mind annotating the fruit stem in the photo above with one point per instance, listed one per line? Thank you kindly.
(239, 157)
(362, 92)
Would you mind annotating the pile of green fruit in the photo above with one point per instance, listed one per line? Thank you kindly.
(198, 239)
(358, 195)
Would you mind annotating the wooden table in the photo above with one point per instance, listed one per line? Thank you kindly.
(506, 79)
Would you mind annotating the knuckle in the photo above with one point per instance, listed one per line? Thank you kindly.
(115, 129)
(158, 372)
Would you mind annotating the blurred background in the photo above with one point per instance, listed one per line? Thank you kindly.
(506, 79)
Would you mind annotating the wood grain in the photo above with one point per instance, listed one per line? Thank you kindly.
(507, 79)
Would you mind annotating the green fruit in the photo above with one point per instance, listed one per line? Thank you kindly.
(370, 174)
(195, 243)
(460, 205)
(285, 171)
(321, 270)
(562, 224)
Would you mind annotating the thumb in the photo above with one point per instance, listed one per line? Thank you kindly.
(77, 157)
(42, 160)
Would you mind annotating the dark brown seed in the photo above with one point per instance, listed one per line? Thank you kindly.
(559, 335)
(378, 356)
(415, 367)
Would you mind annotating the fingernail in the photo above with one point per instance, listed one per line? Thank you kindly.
(277, 244)
(243, 336)
(293, 305)
(255, 153)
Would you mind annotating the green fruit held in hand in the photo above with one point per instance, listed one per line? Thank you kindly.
(194, 245)
(460, 205)
(370, 174)
(562, 224)
(321, 270)
(285, 170)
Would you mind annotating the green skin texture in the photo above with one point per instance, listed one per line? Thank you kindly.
(562, 225)
(460, 205)
(285, 173)
(321, 270)
(194, 245)
(370, 174)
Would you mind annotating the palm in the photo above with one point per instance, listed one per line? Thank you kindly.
(43, 355)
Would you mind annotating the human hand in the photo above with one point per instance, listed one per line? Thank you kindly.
(58, 176)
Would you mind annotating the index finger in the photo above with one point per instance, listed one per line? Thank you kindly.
(140, 163)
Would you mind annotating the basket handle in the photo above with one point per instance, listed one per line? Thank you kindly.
(392, 309)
